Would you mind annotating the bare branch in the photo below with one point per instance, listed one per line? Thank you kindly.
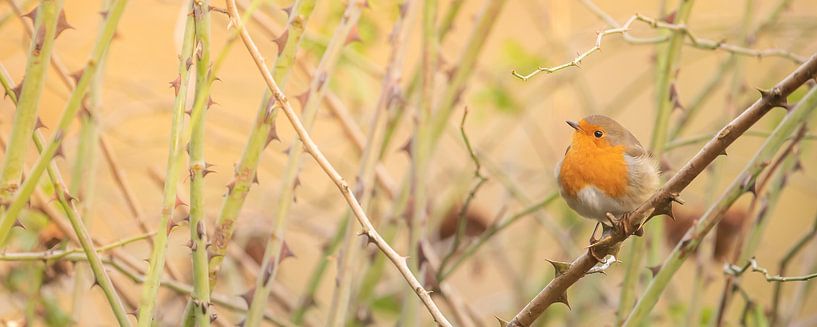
(735, 270)
(692, 40)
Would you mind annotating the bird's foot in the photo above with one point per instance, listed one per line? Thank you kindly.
(622, 224)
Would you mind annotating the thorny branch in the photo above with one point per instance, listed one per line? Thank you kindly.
(692, 40)
(661, 201)
(736, 270)
(461, 221)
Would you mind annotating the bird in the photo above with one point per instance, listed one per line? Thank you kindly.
(605, 171)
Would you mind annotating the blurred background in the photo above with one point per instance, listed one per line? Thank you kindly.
(516, 129)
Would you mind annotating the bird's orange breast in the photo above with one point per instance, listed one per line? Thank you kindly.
(587, 164)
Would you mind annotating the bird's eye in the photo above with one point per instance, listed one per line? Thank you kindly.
(598, 134)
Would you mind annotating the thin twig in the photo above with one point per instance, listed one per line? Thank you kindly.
(735, 270)
(55, 255)
(311, 148)
(461, 221)
(692, 40)
(783, 266)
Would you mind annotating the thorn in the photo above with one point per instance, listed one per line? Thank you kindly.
(255, 179)
(77, 75)
(798, 166)
(213, 316)
(268, 272)
(68, 196)
(281, 41)
(95, 283)
(296, 183)
(186, 218)
(353, 36)
(32, 15)
(674, 98)
(230, 186)
(272, 135)
(39, 124)
(559, 266)
(723, 153)
(189, 113)
(210, 102)
(286, 252)
(62, 24)
(663, 208)
(179, 202)
(654, 270)
(369, 238)
(563, 299)
(302, 98)
(287, 10)
(200, 232)
(17, 223)
(407, 147)
(188, 63)
(675, 197)
(176, 84)
(104, 14)
(60, 151)
(749, 184)
(18, 90)
(248, 296)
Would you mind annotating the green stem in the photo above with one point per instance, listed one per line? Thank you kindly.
(68, 204)
(299, 16)
(308, 298)
(783, 266)
(739, 186)
(83, 178)
(421, 154)
(246, 169)
(467, 63)
(71, 109)
(443, 30)
(150, 289)
(198, 167)
(667, 65)
(25, 116)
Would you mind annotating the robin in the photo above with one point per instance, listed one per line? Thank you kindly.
(605, 171)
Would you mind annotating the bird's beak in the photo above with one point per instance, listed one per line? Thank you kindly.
(573, 124)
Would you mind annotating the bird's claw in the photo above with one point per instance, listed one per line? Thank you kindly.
(621, 224)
